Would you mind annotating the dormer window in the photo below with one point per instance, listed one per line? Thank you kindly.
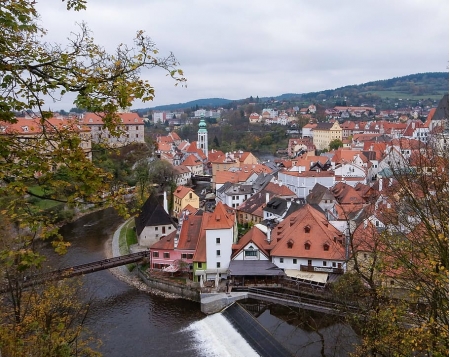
(326, 247)
(307, 246)
(290, 243)
(25, 128)
(307, 228)
(90, 120)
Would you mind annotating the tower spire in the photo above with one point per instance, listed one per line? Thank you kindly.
(202, 141)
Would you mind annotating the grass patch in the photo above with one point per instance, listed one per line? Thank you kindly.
(127, 237)
(39, 203)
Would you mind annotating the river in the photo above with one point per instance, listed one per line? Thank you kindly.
(133, 323)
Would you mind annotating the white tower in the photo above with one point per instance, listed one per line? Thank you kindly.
(202, 141)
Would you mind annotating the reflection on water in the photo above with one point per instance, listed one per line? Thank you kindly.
(133, 323)
(305, 332)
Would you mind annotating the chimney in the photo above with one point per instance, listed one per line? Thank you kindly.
(380, 185)
(165, 202)
(267, 197)
(268, 235)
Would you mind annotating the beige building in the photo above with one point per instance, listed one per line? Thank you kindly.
(324, 133)
(131, 126)
(182, 197)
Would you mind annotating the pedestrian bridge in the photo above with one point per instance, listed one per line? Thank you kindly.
(75, 270)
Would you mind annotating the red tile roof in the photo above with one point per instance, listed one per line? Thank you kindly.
(126, 118)
(307, 226)
(182, 191)
(221, 218)
(256, 236)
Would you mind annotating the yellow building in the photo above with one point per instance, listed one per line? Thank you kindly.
(324, 133)
(182, 197)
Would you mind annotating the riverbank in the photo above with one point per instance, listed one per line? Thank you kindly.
(122, 273)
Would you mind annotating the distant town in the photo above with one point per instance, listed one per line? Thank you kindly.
(262, 220)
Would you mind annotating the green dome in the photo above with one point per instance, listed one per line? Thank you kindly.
(202, 126)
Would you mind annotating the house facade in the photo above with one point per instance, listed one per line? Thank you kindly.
(130, 124)
(183, 196)
(324, 133)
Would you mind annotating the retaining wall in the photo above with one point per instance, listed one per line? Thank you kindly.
(183, 291)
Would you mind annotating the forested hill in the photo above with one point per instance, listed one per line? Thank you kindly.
(431, 85)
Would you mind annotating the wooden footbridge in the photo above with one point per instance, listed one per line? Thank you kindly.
(81, 269)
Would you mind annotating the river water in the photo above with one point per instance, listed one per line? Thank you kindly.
(133, 323)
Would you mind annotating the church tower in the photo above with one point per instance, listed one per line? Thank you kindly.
(202, 141)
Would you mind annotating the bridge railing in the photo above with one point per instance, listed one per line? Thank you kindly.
(301, 299)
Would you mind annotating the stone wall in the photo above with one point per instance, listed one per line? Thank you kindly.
(183, 291)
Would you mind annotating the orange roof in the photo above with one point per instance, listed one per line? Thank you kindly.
(429, 117)
(227, 176)
(200, 249)
(279, 190)
(180, 169)
(194, 149)
(258, 168)
(346, 194)
(182, 191)
(165, 242)
(164, 146)
(25, 126)
(221, 218)
(256, 236)
(307, 226)
(190, 232)
(192, 160)
(344, 155)
(214, 155)
(126, 118)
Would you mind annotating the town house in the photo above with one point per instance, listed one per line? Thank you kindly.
(183, 196)
(131, 128)
(307, 246)
(324, 133)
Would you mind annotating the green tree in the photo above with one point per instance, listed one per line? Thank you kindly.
(404, 266)
(336, 144)
(33, 72)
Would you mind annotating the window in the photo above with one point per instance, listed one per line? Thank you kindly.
(334, 264)
(156, 228)
(218, 252)
(281, 260)
(199, 265)
(218, 264)
(365, 255)
(307, 246)
(251, 253)
(166, 255)
(155, 254)
(190, 256)
(309, 262)
(326, 247)
(218, 240)
(294, 261)
(324, 263)
(183, 256)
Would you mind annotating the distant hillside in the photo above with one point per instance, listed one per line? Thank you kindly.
(383, 93)
(201, 103)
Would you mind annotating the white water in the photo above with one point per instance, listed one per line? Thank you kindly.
(214, 336)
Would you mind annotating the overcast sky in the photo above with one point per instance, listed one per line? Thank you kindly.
(236, 49)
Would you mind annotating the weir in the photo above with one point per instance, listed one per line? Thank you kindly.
(256, 336)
